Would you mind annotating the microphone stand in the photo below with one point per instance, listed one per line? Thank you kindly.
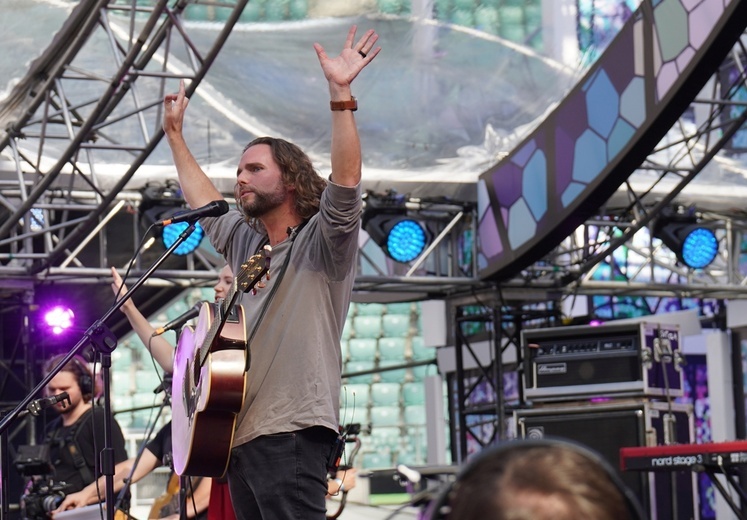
(166, 402)
(104, 341)
(183, 479)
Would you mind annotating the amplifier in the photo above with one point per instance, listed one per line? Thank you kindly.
(640, 359)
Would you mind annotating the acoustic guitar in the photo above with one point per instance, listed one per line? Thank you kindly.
(168, 502)
(210, 378)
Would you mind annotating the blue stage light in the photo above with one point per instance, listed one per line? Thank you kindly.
(699, 247)
(694, 245)
(386, 220)
(161, 202)
(172, 232)
(406, 240)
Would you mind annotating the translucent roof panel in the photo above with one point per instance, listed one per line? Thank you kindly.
(442, 102)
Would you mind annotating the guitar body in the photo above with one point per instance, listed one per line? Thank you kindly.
(207, 396)
(168, 503)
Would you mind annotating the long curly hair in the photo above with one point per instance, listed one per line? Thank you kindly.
(296, 170)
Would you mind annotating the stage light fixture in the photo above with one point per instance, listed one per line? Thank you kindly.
(59, 319)
(386, 221)
(695, 245)
(162, 202)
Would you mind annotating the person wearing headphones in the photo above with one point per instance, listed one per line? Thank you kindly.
(154, 455)
(76, 437)
(537, 480)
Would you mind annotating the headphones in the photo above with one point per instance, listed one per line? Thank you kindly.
(440, 508)
(79, 367)
(83, 375)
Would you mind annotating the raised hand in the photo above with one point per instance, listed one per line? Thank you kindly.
(120, 290)
(173, 111)
(342, 70)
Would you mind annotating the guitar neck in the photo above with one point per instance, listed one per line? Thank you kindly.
(246, 279)
(216, 326)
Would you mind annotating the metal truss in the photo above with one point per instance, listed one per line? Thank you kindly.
(64, 124)
(77, 114)
(446, 266)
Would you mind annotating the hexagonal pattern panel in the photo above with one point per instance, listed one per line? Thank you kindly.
(603, 130)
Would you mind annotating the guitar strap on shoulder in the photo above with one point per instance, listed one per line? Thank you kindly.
(70, 444)
(281, 274)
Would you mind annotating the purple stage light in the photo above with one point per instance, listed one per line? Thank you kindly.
(59, 318)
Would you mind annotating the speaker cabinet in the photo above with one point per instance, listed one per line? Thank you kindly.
(605, 428)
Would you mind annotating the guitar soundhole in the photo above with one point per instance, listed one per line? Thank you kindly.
(191, 374)
(196, 374)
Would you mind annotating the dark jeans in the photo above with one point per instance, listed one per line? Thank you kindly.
(281, 476)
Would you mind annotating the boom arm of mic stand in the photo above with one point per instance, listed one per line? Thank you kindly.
(105, 342)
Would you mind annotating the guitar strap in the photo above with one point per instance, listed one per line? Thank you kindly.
(69, 443)
(293, 234)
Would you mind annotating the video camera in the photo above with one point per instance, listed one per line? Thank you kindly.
(44, 495)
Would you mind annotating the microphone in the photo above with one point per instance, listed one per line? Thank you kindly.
(181, 320)
(213, 209)
(38, 405)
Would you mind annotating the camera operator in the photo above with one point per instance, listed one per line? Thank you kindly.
(75, 438)
(157, 453)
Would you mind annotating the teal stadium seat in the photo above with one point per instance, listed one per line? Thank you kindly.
(399, 308)
(397, 375)
(385, 416)
(355, 394)
(419, 351)
(392, 349)
(358, 414)
(410, 457)
(119, 403)
(344, 350)
(347, 329)
(395, 325)
(414, 415)
(417, 437)
(142, 418)
(385, 394)
(413, 393)
(362, 349)
(386, 438)
(369, 309)
(367, 326)
(419, 373)
(359, 366)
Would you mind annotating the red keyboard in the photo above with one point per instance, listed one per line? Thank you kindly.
(684, 456)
